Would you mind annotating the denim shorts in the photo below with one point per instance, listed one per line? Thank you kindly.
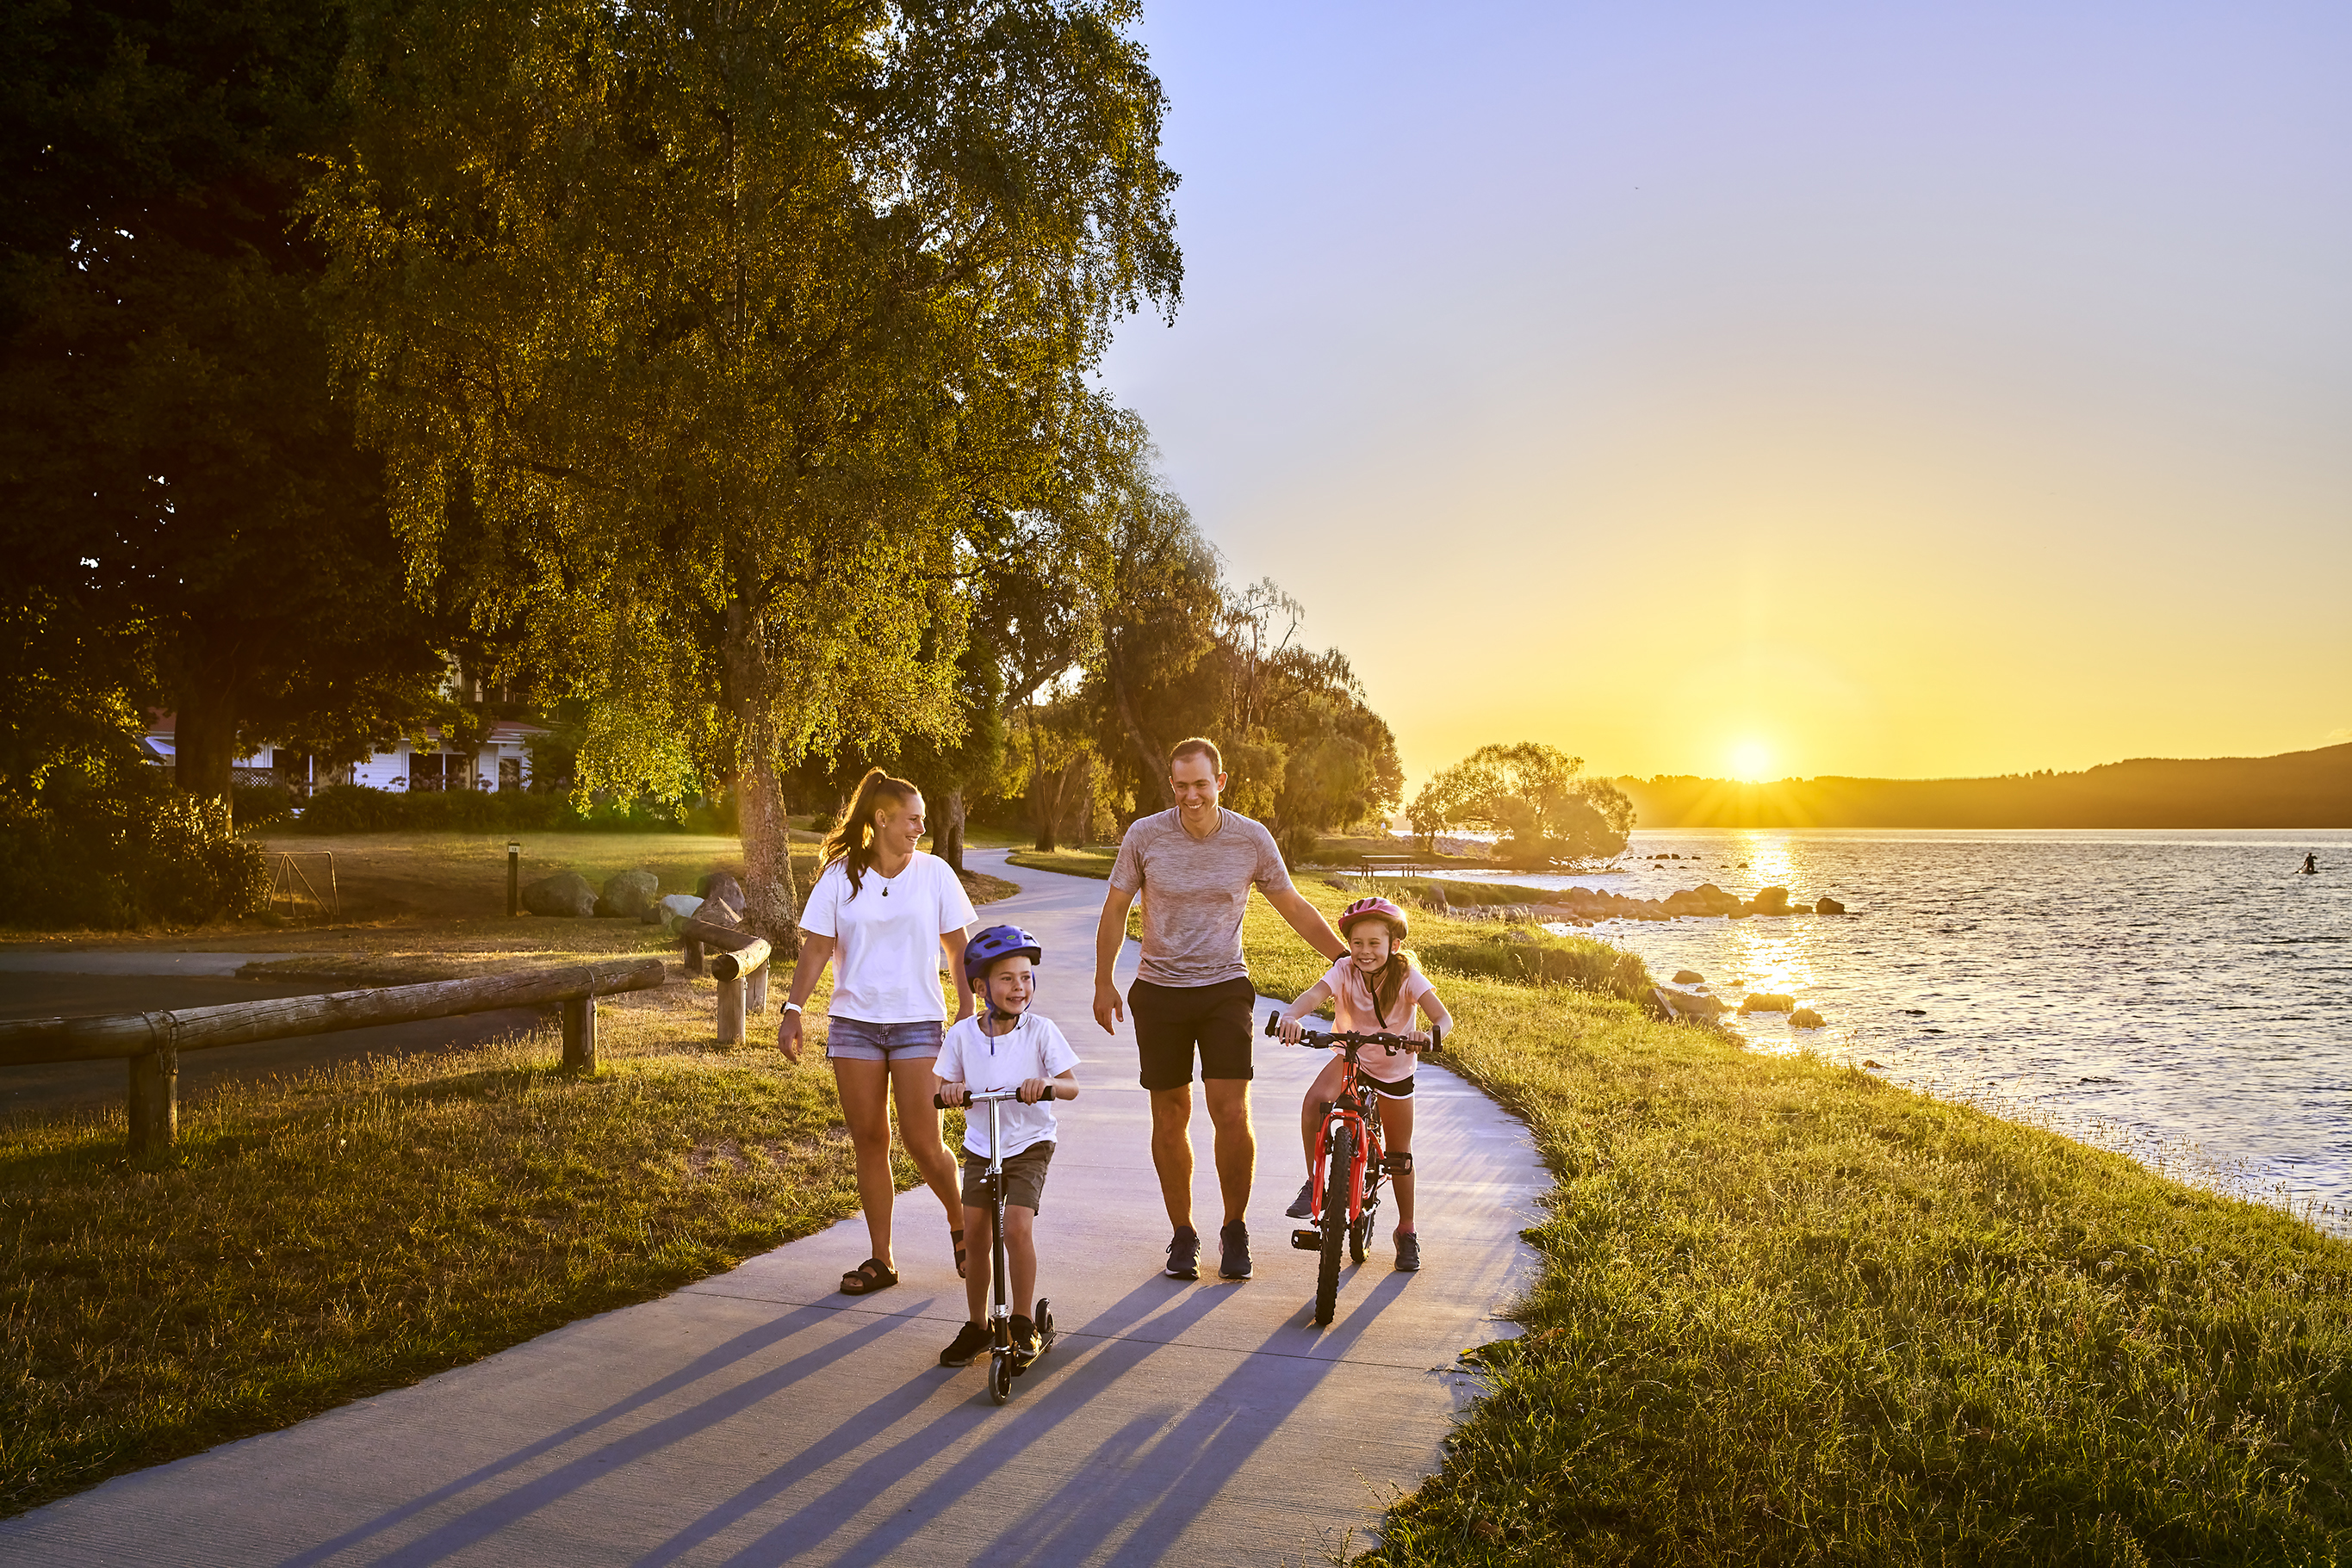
(854, 1039)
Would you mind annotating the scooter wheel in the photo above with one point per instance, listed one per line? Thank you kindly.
(1000, 1375)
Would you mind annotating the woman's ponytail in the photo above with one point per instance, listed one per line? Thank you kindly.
(852, 840)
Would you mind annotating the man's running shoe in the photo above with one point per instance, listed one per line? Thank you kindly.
(1234, 1238)
(971, 1340)
(1303, 1206)
(1184, 1255)
(1025, 1348)
(1408, 1251)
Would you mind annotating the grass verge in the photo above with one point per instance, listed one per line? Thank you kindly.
(1790, 1313)
(1093, 863)
(320, 1238)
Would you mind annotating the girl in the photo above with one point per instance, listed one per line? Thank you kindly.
(1373, 990)
(880, 913)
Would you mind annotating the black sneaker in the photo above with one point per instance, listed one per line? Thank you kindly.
(1303, 1206)
(971, 1340)
(1184, 1255)
(1025, 1348)
(1408, 1251)
(1234, 1238)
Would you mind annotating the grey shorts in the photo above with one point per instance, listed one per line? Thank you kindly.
(854, 1039)
(1024, 1177)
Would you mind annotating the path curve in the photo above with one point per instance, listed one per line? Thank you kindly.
(759, 1418)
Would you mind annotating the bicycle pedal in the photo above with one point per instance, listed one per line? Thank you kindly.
(1306, 1240)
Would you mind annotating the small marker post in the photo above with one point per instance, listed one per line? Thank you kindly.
(514, 879)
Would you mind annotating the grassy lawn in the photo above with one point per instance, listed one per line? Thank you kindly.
(1790, 1313)
(317, 1239)
(1094, 860)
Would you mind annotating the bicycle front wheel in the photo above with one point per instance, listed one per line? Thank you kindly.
(1339, 1175)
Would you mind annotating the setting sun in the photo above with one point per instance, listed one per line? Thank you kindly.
(1750, 761)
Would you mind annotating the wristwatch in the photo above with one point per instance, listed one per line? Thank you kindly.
(792, 1007)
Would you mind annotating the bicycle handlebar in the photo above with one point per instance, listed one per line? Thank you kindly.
(1054, 1092)
(1391, 1043)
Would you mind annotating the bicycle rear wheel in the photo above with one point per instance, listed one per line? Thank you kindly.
(1339, 1164)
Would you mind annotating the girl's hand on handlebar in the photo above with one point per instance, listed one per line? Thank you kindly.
(1418, 1040)
(952, 1093)
(1291, 1032)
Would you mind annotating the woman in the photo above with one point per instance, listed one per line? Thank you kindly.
(880, 913)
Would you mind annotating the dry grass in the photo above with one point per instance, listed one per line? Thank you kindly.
(321, 1236)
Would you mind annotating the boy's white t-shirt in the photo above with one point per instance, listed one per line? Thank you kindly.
(886, 961)
(1034, 1048)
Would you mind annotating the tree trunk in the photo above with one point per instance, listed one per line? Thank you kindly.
(947, 837)
(771, 902)
(1155, 765)
(204, 741)
(1045, 808)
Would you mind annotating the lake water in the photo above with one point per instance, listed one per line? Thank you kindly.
(2180, 996)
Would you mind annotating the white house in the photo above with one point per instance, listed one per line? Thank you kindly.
(502, 761)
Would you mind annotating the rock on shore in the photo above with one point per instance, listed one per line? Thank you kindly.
(1584, 905)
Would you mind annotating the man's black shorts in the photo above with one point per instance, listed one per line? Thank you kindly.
(1171, 1021)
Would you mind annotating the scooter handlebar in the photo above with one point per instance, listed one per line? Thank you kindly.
(939, 1101)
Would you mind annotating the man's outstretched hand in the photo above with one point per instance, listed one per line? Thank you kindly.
(1108, 1006)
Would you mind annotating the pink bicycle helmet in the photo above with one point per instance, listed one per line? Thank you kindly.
(1370, 908)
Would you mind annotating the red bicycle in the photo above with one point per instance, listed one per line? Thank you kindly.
(1350, 1160)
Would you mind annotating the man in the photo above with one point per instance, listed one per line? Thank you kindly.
(1194, 867)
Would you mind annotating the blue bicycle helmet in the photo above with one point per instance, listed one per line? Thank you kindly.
(996, 942)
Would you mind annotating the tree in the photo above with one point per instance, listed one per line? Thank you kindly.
(175, 478)
(1532, 795)
(727, 337)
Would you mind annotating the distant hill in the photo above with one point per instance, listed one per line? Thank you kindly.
(2298, 790)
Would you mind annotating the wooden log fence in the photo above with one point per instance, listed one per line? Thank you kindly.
(742, 977)
(153, 1042)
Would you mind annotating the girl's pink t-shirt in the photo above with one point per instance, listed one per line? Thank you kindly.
(1353, 1013)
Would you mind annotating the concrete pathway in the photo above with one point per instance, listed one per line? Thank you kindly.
(760, 1417)
(125, 961)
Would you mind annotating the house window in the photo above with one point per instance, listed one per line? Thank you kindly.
(510, 772)
(426, 770)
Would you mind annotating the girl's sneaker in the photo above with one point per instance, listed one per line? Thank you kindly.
(1408, 1251)
(1304, 1204)
(971, 1340)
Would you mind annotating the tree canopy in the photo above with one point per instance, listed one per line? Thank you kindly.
(180, 499)
(721, 347)
(1531, 794)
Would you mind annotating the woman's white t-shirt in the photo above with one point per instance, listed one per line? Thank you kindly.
(887, 953)
(985, 1064)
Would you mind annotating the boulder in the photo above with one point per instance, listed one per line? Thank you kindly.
(1771, 900)
(1684, 1001)
(1768, 1002)
(566, 893)
(1829, 906)
(1806, 1017)
(674, 908)
(629, 893)
(717, 885)
(1689, 977)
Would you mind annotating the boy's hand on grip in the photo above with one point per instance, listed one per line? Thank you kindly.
(949, 1094)
(1035, 1089)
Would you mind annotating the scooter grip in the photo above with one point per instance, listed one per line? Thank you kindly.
(940, 1103)
(1436, 1039)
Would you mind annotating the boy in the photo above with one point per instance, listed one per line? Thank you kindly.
(1004, 1047)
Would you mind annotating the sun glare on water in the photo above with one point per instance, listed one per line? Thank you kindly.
(1750, 761)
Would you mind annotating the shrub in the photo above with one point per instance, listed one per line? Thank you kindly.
(1586, 965)
(354, 809)
(126, 849)
(260, 805)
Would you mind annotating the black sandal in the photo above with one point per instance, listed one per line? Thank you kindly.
(867, 1278)
(956, 1237)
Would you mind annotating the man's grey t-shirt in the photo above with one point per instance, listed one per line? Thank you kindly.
(1194, 890)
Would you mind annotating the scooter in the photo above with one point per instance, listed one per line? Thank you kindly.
(1002, 1365)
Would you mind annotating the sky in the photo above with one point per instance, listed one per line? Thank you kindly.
(1776, 390)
